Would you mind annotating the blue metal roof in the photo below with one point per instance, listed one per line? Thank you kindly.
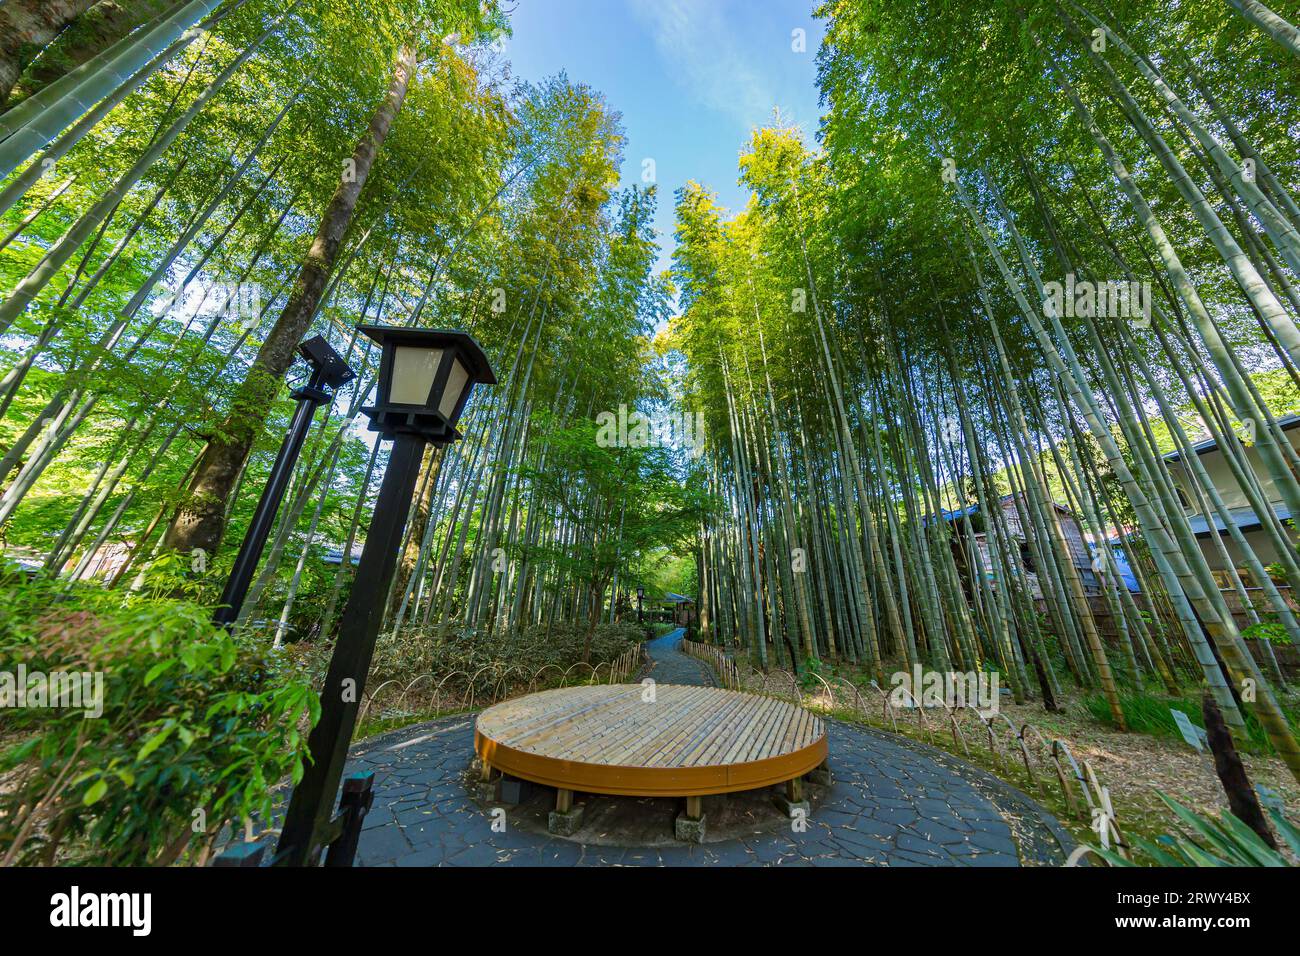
(1120, 561)
(335, 555)
(963, 513)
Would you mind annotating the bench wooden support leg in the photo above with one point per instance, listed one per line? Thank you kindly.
(565, 819)
(793, 802)
(689, 825)
(821, 774)
(487, 787)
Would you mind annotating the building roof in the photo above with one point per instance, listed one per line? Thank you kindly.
(969, 510)
(1243, 518)
(335, 555)
(1286, 423)
(672, 598)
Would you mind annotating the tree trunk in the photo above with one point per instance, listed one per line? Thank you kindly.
(26, 28)
(102, 25)
(1232, 774)
(200, 520)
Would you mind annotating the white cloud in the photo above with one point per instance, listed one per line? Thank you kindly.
(701, 50)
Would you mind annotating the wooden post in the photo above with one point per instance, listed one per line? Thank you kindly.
(1242, 801)
(486, 773)
(563, 801)
(794, 789)
(694, 807)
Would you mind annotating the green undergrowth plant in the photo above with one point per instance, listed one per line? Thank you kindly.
(411, 652)
(181, 728)
(1271, 630)
(1150, 714)
(812, 669)
(1211, 841)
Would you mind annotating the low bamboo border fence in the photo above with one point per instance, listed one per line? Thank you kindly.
(463, 689)
(1024, 753)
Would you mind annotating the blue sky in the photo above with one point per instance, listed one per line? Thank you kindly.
(690, 78)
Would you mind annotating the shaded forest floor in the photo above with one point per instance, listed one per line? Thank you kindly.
(1134, 765)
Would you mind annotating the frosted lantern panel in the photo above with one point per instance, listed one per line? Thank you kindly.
(413, 372)
(455, 384)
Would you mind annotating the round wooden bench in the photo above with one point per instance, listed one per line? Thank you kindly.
(656, 740)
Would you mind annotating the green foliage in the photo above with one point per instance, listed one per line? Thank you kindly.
(1273, 631)
(1149, 714)
(813, 668)
(629, 500)
(481, 659)
(1210, 842)
(663, 570)
(196, 726)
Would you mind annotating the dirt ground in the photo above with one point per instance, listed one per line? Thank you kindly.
(1135, 765)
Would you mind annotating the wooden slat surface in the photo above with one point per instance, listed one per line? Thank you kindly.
(687, 740)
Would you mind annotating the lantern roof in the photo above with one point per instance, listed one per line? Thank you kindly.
(480, 369)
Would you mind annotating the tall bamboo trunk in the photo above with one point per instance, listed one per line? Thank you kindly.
(1268, 21)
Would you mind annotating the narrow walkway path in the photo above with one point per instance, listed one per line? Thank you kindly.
(668, 665)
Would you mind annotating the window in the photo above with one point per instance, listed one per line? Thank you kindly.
(1027, 557)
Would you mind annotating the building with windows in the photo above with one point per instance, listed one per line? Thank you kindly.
(1205, 526)
(971, 535)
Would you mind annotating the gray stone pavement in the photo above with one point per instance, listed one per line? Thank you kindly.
(893, 802)
(668, 665)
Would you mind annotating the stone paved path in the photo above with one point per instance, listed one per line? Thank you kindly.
(668, 665)
(893, 802)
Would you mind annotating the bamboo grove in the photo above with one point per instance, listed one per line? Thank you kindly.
(206, 185)
(877, 343)
(876, 348)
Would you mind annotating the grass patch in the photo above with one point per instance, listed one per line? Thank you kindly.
(1150, 714)
(374, 726)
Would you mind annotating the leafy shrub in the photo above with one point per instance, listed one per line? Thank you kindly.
(812, 669)
(412, 652)
(196, 725)
(1272, 631)
(1225, 842)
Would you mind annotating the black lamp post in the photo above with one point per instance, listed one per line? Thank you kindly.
(425, 377)
(328, 370)
(640, 596)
